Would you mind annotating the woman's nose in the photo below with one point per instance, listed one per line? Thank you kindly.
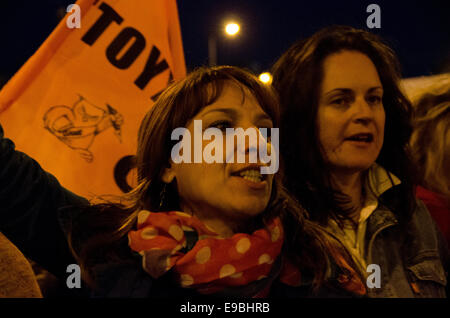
(363, 112)
(258, 139)
(250, 140)
(252, 143)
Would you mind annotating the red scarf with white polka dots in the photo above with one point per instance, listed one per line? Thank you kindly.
(212, 263)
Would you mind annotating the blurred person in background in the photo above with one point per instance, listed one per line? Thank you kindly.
(430, 144)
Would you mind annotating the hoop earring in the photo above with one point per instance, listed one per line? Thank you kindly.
(162, 195)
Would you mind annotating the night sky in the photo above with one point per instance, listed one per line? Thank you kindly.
(419, 31)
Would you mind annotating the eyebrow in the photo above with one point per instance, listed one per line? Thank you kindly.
(375, 88)
(233, 113)
(263, 116)
(228, 111)
(348, 90)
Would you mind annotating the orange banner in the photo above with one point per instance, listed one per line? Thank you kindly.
(76, 104)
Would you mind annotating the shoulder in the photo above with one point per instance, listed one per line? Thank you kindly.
(421, 219)
(121, 279)
(424, 234)
(127, 279)
(69, 212)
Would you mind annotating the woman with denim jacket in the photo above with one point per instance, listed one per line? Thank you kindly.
(345, 128)
(187, 229)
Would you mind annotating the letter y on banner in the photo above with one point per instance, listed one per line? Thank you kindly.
(76, 104)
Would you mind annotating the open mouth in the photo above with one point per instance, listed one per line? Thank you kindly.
(252, 175)
(363, 137)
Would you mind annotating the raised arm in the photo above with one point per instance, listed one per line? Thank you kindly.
(29, 202)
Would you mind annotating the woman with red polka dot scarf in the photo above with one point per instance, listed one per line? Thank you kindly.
(201, 228)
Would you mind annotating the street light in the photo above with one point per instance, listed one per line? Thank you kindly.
(265, 77)
(231, 29)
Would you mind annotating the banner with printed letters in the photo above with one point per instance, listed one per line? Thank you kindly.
(76, 104)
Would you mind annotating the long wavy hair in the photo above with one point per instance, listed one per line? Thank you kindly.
(430, 140)
(99, 233)
(297, 77)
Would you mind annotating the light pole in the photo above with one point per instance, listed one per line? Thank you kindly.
(212, 50)
(231, 30)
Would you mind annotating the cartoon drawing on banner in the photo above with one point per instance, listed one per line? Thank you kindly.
(77, 126)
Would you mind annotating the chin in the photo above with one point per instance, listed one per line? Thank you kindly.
(355, 167)
(251, 209)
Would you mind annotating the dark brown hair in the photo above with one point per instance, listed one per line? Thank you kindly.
(98, 234)
(297, 77)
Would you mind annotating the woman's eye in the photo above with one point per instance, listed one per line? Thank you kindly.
(374, 100)
(222, 125)
(341, 101)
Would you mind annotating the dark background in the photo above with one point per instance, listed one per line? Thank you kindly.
(419, 31)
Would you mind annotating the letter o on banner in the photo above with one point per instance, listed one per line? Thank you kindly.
(117, 45)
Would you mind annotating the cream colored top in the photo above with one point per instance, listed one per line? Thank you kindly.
(376, 183)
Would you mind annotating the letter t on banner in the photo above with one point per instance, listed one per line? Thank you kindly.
(76, 104)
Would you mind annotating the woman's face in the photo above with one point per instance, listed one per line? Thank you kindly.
(351, 115)
(231, 192)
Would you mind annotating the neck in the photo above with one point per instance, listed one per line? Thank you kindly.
(217, 225)
(350, 184)
(224, 228)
